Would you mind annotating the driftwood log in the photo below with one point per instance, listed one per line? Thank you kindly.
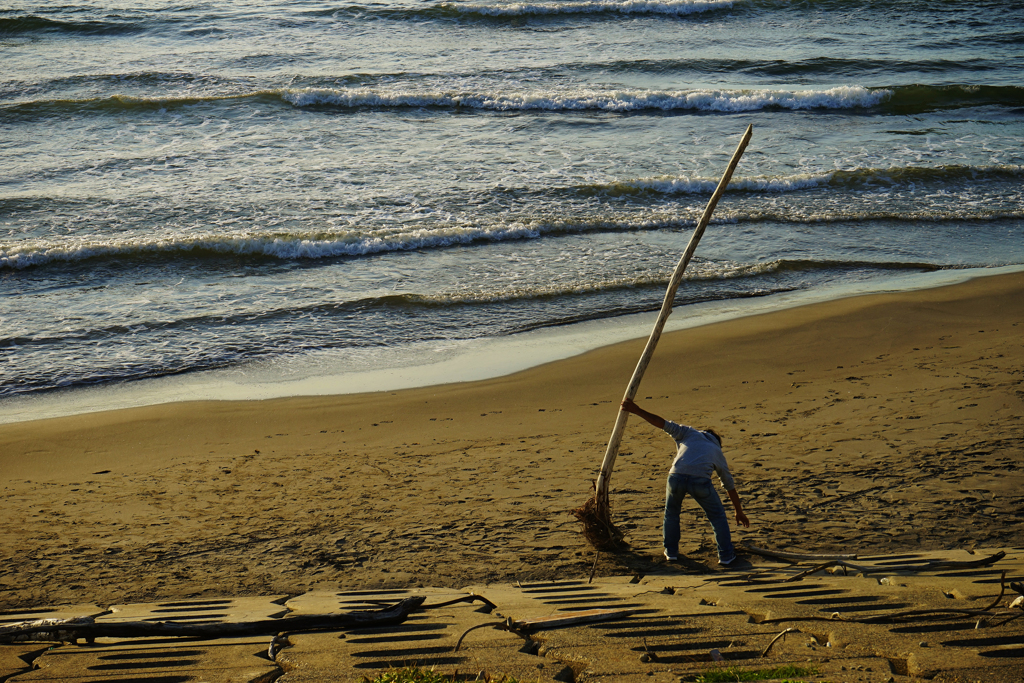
(794, 557)
(70, 630)
(595, 514)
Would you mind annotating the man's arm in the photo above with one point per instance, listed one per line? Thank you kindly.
(631, 407)
(740, 517)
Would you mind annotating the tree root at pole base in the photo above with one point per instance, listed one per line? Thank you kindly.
(597, 526)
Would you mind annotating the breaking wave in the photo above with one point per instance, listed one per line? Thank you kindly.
(526, 9)
(898, 99)
(12, 26)
(843, 97)
(856, 178)
(300, 245)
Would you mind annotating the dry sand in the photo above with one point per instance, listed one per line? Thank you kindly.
(877, 423)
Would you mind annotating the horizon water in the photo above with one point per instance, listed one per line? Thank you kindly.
(245, 200)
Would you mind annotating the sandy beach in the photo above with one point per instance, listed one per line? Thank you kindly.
(876, 423)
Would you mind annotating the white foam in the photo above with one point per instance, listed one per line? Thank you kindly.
(687, 185)
(297, 245)
(842, 97)
(281, 246)
(672, 7)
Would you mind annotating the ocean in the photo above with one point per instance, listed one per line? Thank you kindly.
(272, 193)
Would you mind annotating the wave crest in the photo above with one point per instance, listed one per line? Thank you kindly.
(284, 246)
(856, 178)
(842, 97)
(31, 23)
(521, 9)
(900, 98)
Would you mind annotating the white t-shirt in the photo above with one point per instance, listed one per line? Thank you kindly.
(699, 454)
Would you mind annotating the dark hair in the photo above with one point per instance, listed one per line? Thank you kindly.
(715, 434)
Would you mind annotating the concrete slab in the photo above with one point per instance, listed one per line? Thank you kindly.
(236, 660)
(15, 659)
(226, 610)
(334, 602)
(53, 612)
(527, 601)
(680, 624)
(425, 640)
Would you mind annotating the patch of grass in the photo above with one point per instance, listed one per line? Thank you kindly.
(416, 675)
(408, 675)
(733, 673)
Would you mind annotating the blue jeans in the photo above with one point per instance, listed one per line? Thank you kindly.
(702, 491)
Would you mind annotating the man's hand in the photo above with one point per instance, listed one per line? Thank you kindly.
(742, 519)
(630, 407)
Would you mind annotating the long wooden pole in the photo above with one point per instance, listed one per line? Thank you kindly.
(604, 478)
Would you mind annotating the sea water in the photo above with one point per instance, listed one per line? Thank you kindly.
(278, 192)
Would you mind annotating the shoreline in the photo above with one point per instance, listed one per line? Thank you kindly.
(873, 423)
(411, 367)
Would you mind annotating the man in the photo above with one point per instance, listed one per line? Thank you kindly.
(699, 454)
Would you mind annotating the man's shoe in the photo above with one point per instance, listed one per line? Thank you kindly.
(671, 557)
(726, 563)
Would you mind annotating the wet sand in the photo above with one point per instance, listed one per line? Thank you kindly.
(881, 423)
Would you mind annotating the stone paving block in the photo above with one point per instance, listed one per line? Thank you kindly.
(854, 597)
(677, 620)
(17, 658)
(426, 639)
(333, 602)
(668, 626)
(528, 601)
(316, 657)
(310, 657)
(56, 612)
(500, 653)
(180, 660)
(920, 648)
(226, 610)
(661, 639)
(671, 580)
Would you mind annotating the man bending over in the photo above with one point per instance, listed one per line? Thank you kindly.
(699, 453)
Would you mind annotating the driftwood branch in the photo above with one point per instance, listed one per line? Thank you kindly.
(764, 652)
(472, 597)
(70, 630)
(793, 557)
(1007, 620)
(812, 570)
(595, 513)
(1002, 591)
(522, 627)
